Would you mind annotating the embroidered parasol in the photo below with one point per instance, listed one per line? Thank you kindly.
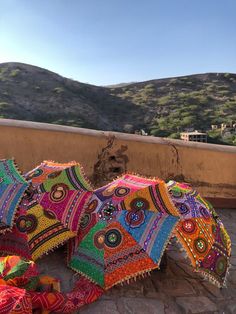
(124, 231)
(201, 233)
(55, 204)
(12, 188)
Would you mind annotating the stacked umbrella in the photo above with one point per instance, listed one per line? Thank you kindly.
(113, 234)
(54, 201)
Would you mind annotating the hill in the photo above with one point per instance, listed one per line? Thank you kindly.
(163, 107)
(32, 93)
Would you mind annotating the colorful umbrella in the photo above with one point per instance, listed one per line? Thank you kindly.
(124, 231)
(12, 188)
(65, 195)
(55, 204)
(216, 263)
(201, 233)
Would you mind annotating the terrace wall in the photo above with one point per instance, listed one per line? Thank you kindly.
(105, 155)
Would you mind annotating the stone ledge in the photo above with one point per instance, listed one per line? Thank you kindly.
(119, 135)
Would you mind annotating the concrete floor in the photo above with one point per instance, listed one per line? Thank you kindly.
(177, 289)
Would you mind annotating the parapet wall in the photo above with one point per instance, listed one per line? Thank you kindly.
(105, 155)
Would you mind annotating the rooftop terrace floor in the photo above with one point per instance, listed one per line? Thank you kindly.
(177, 289)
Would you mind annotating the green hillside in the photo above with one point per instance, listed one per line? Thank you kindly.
(163, 107)
(175, 104)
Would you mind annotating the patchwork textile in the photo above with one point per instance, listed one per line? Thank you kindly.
(12, 188)
(201, 233)
(15, 242)
(49, 284)
(124, 231)
(15, 271)
(14, 300)
(83, 293)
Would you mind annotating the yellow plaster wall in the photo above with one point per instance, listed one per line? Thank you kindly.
(104, 155)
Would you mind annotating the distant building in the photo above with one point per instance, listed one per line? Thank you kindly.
(141, 132)
(194, 136)
(228, 129)
(225, 126)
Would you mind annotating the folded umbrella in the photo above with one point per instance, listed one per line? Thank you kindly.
(124, 231)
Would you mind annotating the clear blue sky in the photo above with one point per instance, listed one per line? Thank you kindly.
(112, 41)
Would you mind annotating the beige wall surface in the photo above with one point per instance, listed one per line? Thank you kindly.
(105, 155)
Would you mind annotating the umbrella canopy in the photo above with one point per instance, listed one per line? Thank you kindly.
(44, 231)
(12, 188)
(64, 194)
(216, 263)
(124, 231)
(42, 172)
(201, 233)
(55, 204)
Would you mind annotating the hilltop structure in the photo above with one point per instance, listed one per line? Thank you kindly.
(194, 136)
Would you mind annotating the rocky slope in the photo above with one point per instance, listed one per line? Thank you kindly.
(163, 107)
